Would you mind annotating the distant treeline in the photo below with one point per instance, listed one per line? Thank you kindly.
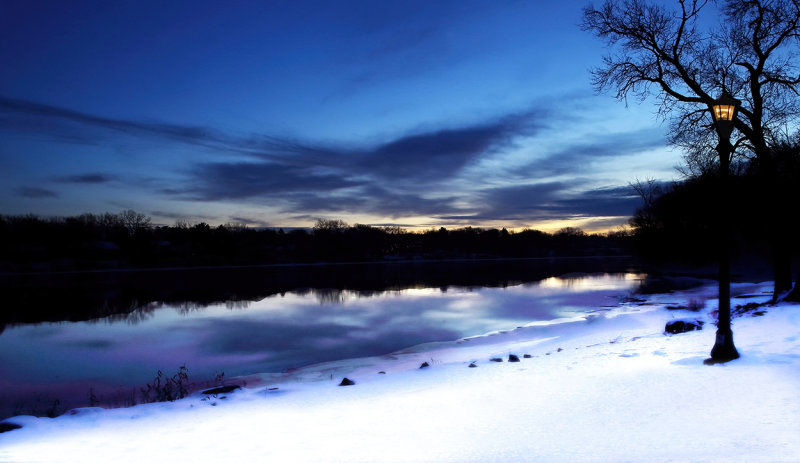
(129, 240)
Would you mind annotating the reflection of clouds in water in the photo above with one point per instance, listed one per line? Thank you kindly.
(466, 311)
(97, 343)
(586, 282)
(326, 324)
(289, 344)
(248, 336)
(290, 329)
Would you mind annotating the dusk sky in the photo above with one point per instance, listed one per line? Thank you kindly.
(276, 113)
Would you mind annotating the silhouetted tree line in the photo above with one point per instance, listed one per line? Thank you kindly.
(129, 240)
(680, 221)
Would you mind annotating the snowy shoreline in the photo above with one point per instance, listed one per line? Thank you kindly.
(607, 387)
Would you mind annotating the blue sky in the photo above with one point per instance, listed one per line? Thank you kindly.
(276, 113)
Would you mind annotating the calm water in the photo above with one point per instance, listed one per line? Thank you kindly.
(44, 362)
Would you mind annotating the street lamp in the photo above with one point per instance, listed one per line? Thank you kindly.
(723, 110)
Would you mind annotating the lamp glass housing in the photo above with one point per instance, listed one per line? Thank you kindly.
(723, 112)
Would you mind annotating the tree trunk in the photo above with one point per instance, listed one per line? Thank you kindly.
(794, 294)
(781, 265)
(775, 190)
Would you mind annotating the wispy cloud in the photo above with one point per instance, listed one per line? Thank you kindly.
(412, 174)
(551, 201)
(224, 181)
(374, 199)
(609, 201)
(61, 124)
(440, 153)
(34, 192)
(89, 179)
(46, 112)
(580, 157)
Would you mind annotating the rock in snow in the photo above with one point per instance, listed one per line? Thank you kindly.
(683, 326)
(347, 382)
(221, 390)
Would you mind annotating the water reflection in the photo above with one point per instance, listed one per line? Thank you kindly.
(280, 330)
(86, 296)
(583, 281)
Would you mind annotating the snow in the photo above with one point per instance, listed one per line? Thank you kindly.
(609, 386)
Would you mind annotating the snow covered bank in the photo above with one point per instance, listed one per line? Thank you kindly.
(611, 387)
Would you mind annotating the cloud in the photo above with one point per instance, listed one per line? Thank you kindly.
(308, 332)
(551, 201)
(91, 178)
(36, 192)
(520, 201)
(226, 181)
(441, 153)
(23, 107)
(433, 153)
(374, 199)
(403, 176)
(580, 157)
(609, 201)
(414, 174)
(67, 125)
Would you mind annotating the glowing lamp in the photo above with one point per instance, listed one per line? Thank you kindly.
(723, 110)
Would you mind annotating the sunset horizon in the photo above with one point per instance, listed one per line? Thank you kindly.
(448, 115)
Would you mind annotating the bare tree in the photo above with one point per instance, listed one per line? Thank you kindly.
(649, 190)
(330, 226)
(133, 221)
(672, 56)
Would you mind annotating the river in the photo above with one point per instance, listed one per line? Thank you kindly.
(97, 339)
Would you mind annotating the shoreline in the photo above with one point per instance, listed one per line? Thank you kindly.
(117, 396)
(616, 388)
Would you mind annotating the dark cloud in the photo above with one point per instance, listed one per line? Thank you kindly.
(20, 107)
(577, 157)
(439, 154)
(552, 201)
(225, 181)
(93, 178)
(520, 201)
(36, 192)
(376, 200)
(611, 201)
(436, 153)
(397, 178)
(409, 175)
(72, 126)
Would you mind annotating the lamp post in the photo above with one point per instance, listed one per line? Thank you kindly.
(723, 110)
